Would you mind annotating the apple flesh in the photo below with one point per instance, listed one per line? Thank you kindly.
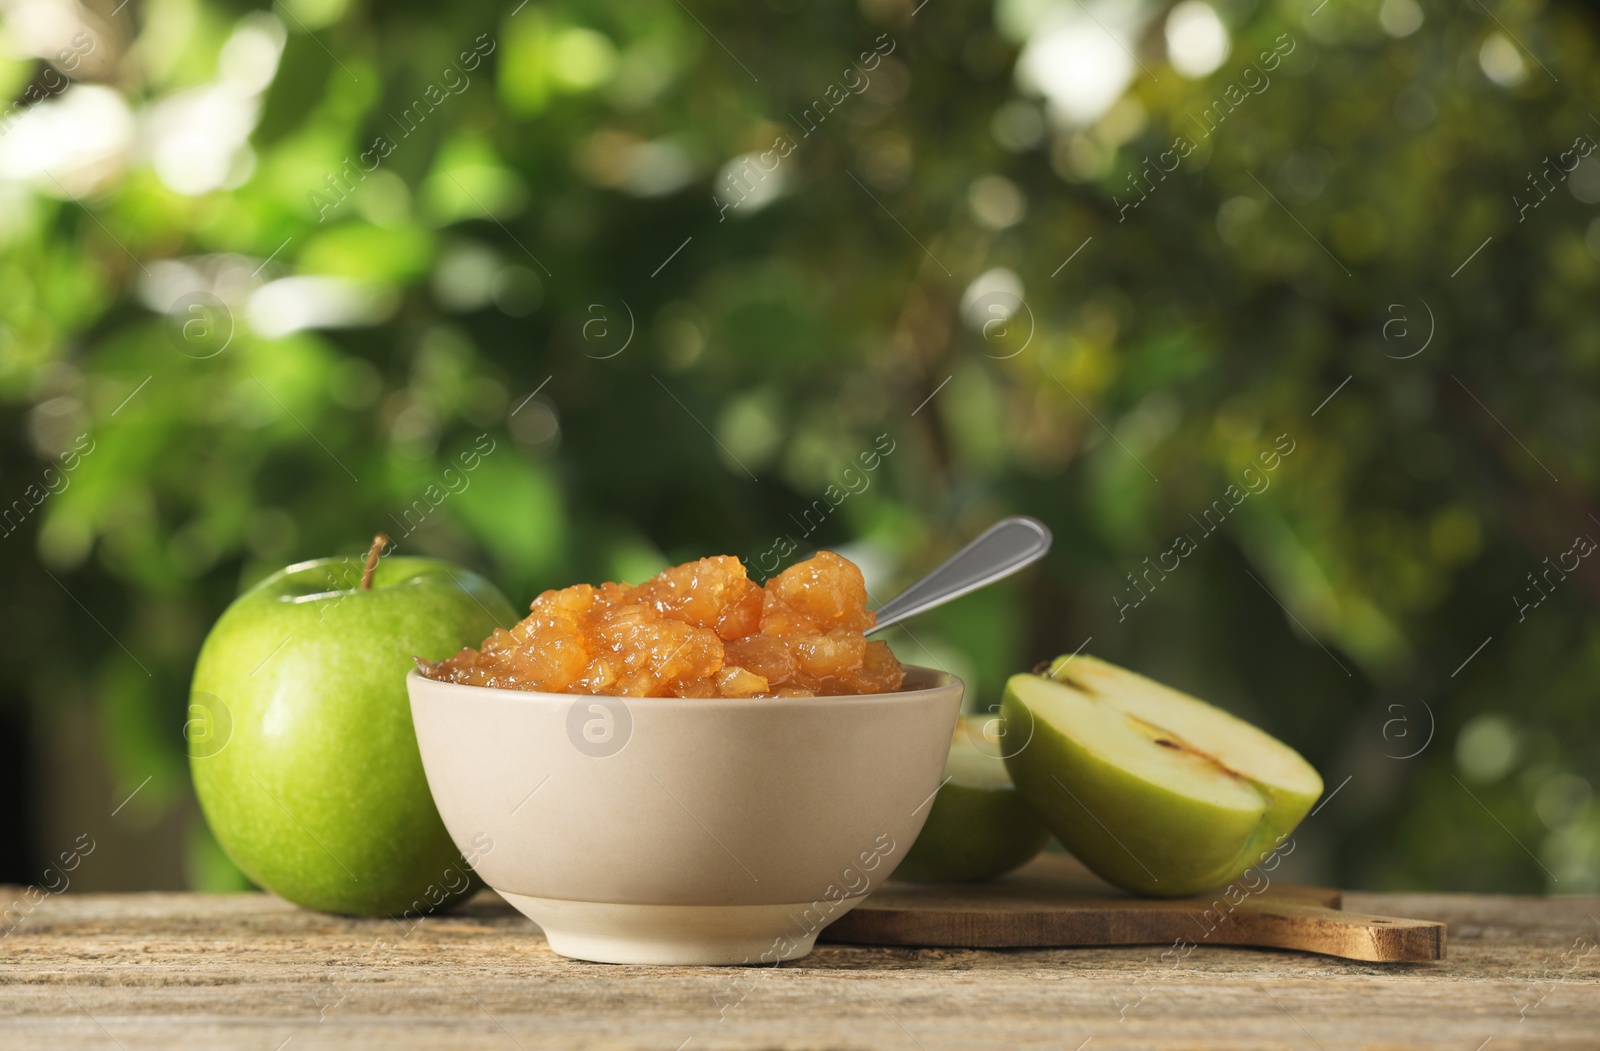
(309, 772)
(979, 826)
(1158, 792)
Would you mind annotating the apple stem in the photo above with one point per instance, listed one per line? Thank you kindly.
(379, 542)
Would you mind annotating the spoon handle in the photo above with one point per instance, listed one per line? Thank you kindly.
(998, 552)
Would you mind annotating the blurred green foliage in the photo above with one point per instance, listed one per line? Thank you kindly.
(544, 259)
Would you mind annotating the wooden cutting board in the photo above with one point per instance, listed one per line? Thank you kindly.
(1055, 901)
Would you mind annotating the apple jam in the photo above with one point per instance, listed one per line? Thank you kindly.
(702, 629)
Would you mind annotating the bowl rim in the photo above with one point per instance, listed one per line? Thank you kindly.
(937, 683)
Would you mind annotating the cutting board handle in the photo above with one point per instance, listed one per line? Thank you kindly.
(1352, 935)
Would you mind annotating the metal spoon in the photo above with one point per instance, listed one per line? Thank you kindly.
(998, 552)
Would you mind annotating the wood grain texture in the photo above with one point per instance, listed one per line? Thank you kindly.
(1055, 901)
(251, 973)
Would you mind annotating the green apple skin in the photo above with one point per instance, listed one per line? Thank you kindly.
(1135, 831)
(979, 826)
(316, 789)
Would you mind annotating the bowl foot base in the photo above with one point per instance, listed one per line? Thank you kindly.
(729, 935)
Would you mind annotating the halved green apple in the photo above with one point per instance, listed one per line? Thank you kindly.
(1156, 791)
(979, 827)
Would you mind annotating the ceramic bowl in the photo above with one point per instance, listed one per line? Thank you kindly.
(679, 831)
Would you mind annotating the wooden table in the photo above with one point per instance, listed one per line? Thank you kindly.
(164, 971)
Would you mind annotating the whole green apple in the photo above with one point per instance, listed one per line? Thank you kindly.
(1156, 791)
(300, 738)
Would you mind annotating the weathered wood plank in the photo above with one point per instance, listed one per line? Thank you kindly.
(249, 972)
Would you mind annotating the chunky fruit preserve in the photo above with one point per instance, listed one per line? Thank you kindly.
(702, 629)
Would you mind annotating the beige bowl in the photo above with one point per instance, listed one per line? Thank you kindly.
(679, 831)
